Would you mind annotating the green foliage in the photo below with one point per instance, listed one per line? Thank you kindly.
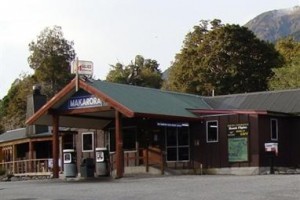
(287, 77)
(13, 105)
(50, 57)
(224, 58)
(289, 49)
(140, 72)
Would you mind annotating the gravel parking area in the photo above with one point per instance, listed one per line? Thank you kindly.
(268, 187)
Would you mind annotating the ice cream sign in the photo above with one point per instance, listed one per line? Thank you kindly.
(85, 102)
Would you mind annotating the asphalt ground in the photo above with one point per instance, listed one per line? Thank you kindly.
(263, 187)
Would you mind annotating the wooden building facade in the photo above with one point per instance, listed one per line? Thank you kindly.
(144, 127)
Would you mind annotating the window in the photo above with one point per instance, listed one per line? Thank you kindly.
(87, 141)
(274, 129)
(177, 143)
(212, 131)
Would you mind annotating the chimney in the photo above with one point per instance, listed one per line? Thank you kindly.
(34, 102)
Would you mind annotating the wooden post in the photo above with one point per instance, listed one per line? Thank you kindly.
(119, 146)
(147, 159)
(30, 157)
(14, 153)
(162, 164)
(55, 145)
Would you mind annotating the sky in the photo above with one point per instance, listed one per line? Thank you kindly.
(110, 31)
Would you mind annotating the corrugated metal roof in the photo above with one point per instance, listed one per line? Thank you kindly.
(13, 135)
(18, 134)
(151, 101)
(285, 101)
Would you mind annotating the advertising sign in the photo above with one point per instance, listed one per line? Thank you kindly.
(83, 67)
(237, 142)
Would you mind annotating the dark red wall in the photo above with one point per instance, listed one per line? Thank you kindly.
(215, 155)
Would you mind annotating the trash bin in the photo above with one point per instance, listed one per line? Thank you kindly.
(87, 168)
(70, 168)
(102, 159)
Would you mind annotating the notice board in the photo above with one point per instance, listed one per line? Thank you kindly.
(238, 142)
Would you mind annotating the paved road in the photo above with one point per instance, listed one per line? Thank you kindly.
(269, 187)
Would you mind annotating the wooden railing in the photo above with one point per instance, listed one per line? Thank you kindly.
(29, 167)
(146, 157)
(154, 157)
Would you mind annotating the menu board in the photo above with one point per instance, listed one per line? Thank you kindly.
(237, 142)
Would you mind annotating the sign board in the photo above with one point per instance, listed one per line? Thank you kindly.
(271, 147)
(87, 101)
(237, 142)
(83, 67)
(172, 124)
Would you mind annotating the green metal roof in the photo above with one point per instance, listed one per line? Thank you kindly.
(151, 101)
(284, 101)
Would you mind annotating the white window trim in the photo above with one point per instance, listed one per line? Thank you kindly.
(271, 128)
(87, 133)
(207, 131)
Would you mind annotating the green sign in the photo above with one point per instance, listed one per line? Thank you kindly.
(238, 142)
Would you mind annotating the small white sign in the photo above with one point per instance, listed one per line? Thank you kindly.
(83, 67)
(271, 147)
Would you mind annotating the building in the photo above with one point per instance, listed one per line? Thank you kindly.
(231, 134)
(189, 131)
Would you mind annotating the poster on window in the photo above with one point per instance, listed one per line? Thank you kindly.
(238, 142)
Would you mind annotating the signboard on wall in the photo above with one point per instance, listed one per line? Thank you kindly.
(238, 142)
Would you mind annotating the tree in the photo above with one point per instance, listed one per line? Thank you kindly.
(13, 105)
(287, 77)
(224, 58)
(140, 72)
(50, 57)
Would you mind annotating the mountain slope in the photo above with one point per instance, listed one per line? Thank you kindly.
(276, 24)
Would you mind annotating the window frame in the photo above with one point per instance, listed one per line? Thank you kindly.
(217, 134)
(178, 146)
(271, 129)
(82, 140)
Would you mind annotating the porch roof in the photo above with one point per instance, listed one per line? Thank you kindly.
(20, 134)
(16, 134)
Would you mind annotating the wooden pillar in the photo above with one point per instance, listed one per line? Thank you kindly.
(1, 154)
(31, 150)
(119, 146)
(14, 155)
(55, 145)
(147, 159)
